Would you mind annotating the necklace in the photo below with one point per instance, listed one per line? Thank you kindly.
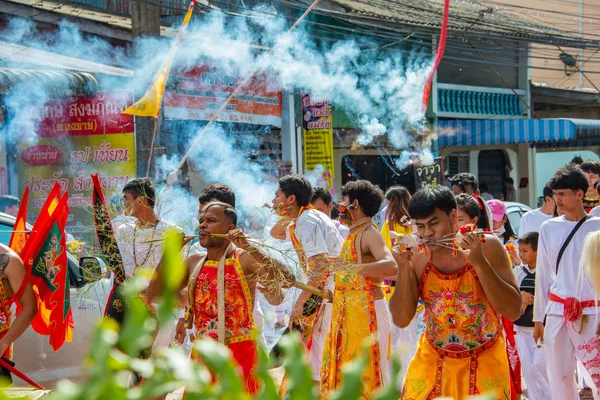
(150, 249)
(361, 222)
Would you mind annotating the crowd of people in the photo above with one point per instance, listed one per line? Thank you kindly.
(480, 311)
(443, 282)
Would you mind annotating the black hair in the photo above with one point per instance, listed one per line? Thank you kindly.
(473, 207)
(530, 238)
(509, 232)
(228, 210)
(547, 192)
(591, 167)
(468, 204)
(335, 212)
(424, 203)
(298, 186)
(141, 187)
(463, 179)
(8, 201)
(399, 197)
(569, 177)
(217, 192)
(509, 180)
(369, 196)
(577, 160)
(321, 193)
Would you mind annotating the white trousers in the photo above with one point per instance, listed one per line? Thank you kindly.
(384, 335)
(533, 364)
(404, 345)
(563, 345)
(318, 340)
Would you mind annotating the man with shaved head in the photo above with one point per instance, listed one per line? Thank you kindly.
(222, 285)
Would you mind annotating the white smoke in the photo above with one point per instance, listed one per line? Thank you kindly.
(381, 89)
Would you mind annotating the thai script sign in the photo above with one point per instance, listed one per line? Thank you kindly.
(199, 92)
(317, 129)
(78, 136)
(430, 175)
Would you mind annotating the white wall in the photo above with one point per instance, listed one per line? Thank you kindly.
(547, 163)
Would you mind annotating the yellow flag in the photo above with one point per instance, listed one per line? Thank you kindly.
(149, 105)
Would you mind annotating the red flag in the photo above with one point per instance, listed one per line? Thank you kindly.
(19, 235)
(439, 54)
(45, 258)
(105, 232)
(40, 227)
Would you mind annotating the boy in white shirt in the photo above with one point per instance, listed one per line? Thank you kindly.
(533, 360)
(565, 302)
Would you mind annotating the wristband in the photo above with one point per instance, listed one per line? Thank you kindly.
(181, 313)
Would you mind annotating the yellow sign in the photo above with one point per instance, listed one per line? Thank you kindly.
(317, 128)
(70, 156)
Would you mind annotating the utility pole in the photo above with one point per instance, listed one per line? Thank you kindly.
(145, 21)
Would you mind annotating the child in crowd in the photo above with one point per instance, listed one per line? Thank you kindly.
(533, 361)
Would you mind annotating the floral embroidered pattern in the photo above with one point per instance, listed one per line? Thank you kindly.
(458, 316)
(239, 322)
(591, 360)
(417, 385)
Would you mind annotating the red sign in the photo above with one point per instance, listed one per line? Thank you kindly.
(83, 116)
(41, 155)
(198, 93)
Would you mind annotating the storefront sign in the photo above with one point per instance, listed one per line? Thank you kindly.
(199, 92)
(430, 175)
(317, 129)
(77, 137)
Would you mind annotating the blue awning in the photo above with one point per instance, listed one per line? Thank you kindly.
(478, 132)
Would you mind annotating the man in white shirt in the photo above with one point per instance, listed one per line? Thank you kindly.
(140, 243)
(533, 220)
(321, 200)
(563, 296)
(316, 240)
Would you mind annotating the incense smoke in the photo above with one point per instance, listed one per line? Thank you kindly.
(380, 89)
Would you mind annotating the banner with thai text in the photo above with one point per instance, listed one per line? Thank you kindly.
(199, 92)
(317, 130)
(429, 175)
(78, 136)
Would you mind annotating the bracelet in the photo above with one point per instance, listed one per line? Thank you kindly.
(181, 313)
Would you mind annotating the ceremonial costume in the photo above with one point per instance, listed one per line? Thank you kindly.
(5, 324)
(566, 301)
(589, 204)
(356, 315)
(313, 233)
(462, 351)
(239, 328)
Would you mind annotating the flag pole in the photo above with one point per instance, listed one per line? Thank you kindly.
(156, 122)
(237, 89)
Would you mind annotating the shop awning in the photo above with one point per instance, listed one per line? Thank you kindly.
(454, 133)
(55, 82)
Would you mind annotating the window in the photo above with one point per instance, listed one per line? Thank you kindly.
(75, 278)
(5, 233)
